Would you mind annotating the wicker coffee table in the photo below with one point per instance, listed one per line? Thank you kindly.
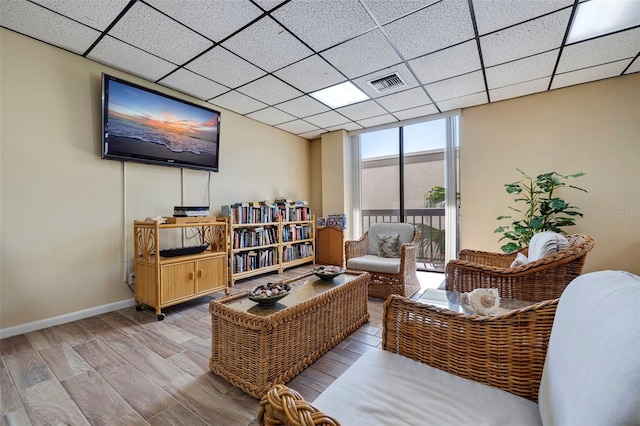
(255, 347)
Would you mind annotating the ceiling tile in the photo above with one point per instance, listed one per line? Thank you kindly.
(416, 112)
(376, 121)
(199, 87)
(363, 55)
(635, 66)
(362, 110)
(530, 68)
(600, 50)
(216, 22)
(271, 116)
(447, 63)
(456, 87)
(385, 10)
(612, 69)
(268, 4)
(400, 69)
(97, 14)
(155, 33)
(530, 38)
(463, 102)
(492, 15)
(224, 67)
(34, 21)
(237, 102)
(520, 89)
(347, 126)
(438, 26)
(130, 59)
(302, 107)
(324, 23)
(310, 74)
(312, 135)
(327, 119)
(404, 100)
(267, 35)
(269, 90)
(297, 127)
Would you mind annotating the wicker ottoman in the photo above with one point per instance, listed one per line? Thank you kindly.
(255, 347)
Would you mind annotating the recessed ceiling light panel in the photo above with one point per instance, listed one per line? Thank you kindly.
(340, 95)
(598, 17)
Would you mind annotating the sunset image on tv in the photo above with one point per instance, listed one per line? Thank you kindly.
(144, 124)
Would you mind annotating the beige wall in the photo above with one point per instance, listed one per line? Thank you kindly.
(594, 128)
(66, 215)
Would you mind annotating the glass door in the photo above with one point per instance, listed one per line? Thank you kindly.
(405, 173)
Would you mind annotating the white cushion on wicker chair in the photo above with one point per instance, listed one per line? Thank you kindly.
(384, 388)
(373, 263)
(405, 232)
(545, 244)
(591, 374)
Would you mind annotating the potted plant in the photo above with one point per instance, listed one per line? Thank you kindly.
(543, 210)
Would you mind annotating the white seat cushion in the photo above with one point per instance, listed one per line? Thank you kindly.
(592, 371)
(373, 263)
(383, 388)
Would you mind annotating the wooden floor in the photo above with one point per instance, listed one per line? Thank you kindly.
(127, 368)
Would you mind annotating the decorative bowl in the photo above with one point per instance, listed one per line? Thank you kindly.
(268, 294)
(327, 273)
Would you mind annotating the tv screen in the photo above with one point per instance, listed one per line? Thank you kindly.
(140, 124)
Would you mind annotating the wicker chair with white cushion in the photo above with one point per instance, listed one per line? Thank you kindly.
(387, 251)
(567, 361)
(536, 273)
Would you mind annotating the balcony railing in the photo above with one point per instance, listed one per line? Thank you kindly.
(430, 221)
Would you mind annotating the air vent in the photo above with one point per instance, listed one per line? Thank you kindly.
(387, 83)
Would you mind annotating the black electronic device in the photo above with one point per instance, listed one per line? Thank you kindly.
(143, 125)
(190, 211)
(183, 251)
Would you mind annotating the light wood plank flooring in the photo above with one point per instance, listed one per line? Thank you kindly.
(127, 368)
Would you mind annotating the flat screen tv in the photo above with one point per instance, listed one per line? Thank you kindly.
(140, 124)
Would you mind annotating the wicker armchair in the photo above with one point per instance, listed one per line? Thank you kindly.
(388, 275)
(506, 351)
(540, 280)
(571, 360)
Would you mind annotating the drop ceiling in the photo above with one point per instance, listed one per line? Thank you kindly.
(262, 58)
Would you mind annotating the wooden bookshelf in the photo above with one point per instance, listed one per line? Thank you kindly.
(268, 237)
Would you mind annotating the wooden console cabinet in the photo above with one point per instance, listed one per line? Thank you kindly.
(330, 246)
(165, 281)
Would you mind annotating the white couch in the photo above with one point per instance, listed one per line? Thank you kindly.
(591, 374)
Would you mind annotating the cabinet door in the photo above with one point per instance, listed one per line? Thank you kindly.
(330, 246)
(178, 281)
(211, 274)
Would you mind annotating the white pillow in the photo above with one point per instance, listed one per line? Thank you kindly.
(545, 244)
(520, 260)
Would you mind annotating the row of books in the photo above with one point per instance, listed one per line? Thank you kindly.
(296, 232)
(255, 259)
(299, 251)
(295, 213)
(250, 213)
(254, 237)
(263, 212)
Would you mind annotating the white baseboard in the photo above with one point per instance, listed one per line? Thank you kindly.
(62, 319)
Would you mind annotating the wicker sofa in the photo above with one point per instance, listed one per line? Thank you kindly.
(439, 367)
(389, 275)
(543, 279)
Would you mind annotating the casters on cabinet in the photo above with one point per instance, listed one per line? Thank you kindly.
(160, 317)
(139, 307)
